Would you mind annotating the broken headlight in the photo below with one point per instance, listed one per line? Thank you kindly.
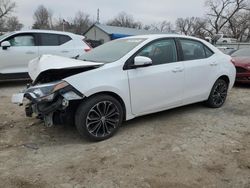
(45, 92)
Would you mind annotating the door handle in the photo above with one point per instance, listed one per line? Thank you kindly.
(30, 52)
(178, 69)
(65, 51)
(213, 64)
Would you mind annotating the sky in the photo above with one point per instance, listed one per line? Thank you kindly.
(146, 11)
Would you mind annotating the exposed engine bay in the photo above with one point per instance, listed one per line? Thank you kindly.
(49, 97)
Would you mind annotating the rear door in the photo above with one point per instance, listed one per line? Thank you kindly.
(15, 59)
(200, 69)
(56, 44)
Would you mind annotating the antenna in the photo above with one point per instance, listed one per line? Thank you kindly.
(98, 16)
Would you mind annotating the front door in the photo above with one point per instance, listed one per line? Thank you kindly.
(159, 86)
(15, 59)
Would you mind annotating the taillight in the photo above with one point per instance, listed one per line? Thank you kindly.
(87, 49)
(232, 61)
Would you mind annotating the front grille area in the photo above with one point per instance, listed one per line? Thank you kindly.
(240, 70)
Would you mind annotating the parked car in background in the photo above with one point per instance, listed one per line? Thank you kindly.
(18, 48)
(226, 50)
(241, 60)
(221, 38)
(124, 79)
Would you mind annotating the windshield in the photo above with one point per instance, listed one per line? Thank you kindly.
(112, 51)
(5, 35)
(245, 52)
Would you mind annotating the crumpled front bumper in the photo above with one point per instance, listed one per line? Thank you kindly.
(45, 109)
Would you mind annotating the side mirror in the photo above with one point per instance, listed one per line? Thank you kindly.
(142, 61)
(5, 45)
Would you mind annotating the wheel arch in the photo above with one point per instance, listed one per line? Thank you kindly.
(116, 96)
(225, 78)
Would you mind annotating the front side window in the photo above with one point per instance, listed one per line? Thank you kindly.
(22, 40)
(161, 52)
(192, 50)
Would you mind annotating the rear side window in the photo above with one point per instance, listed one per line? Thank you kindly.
(63, 39)
(208, 52)
(192, 50)
(53, 39)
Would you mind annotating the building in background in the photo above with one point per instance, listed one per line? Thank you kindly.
(98, 34)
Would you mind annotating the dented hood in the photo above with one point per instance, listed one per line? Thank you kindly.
(45, 63)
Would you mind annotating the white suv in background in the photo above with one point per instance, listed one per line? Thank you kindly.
(18, 48)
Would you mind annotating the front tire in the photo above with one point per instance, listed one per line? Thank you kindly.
(218, 94)
(99, 117)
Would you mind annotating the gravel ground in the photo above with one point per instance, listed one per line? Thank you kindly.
(191, 146)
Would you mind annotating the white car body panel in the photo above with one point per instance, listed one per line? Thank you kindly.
(106, 81)
(15, 59)
(48, 62)
(200, 76)
(148, 89)
(165, 88)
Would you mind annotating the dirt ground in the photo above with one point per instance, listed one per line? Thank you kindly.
(192, 146)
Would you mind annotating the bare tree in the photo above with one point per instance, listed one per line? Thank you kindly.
(239, 25)
(146, 27)
(184, 25)
(6, 7)
(193, 26)
(163, 26)
(2, 25)
(125, 20)
(13, 24)
(81, 22)
(220, 12)
(43, 18)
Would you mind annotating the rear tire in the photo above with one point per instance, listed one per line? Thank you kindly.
(218, 94)
(99, 117)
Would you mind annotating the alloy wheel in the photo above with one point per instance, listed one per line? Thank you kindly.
(102, 119)
(219, 94)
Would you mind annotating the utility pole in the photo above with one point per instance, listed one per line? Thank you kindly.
(63, 22)
(98, 16)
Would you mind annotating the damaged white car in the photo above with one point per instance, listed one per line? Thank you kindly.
(124, 79)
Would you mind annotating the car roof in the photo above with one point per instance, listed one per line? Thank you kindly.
(47, 31)
(160, 36)
(156, 36)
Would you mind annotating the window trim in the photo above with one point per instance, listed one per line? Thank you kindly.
(181, 50)
(128, 64)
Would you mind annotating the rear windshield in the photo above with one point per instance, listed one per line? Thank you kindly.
(245, 52)
(111, 51)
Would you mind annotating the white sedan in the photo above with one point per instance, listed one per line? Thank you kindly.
(18, 48)
(124, 79)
